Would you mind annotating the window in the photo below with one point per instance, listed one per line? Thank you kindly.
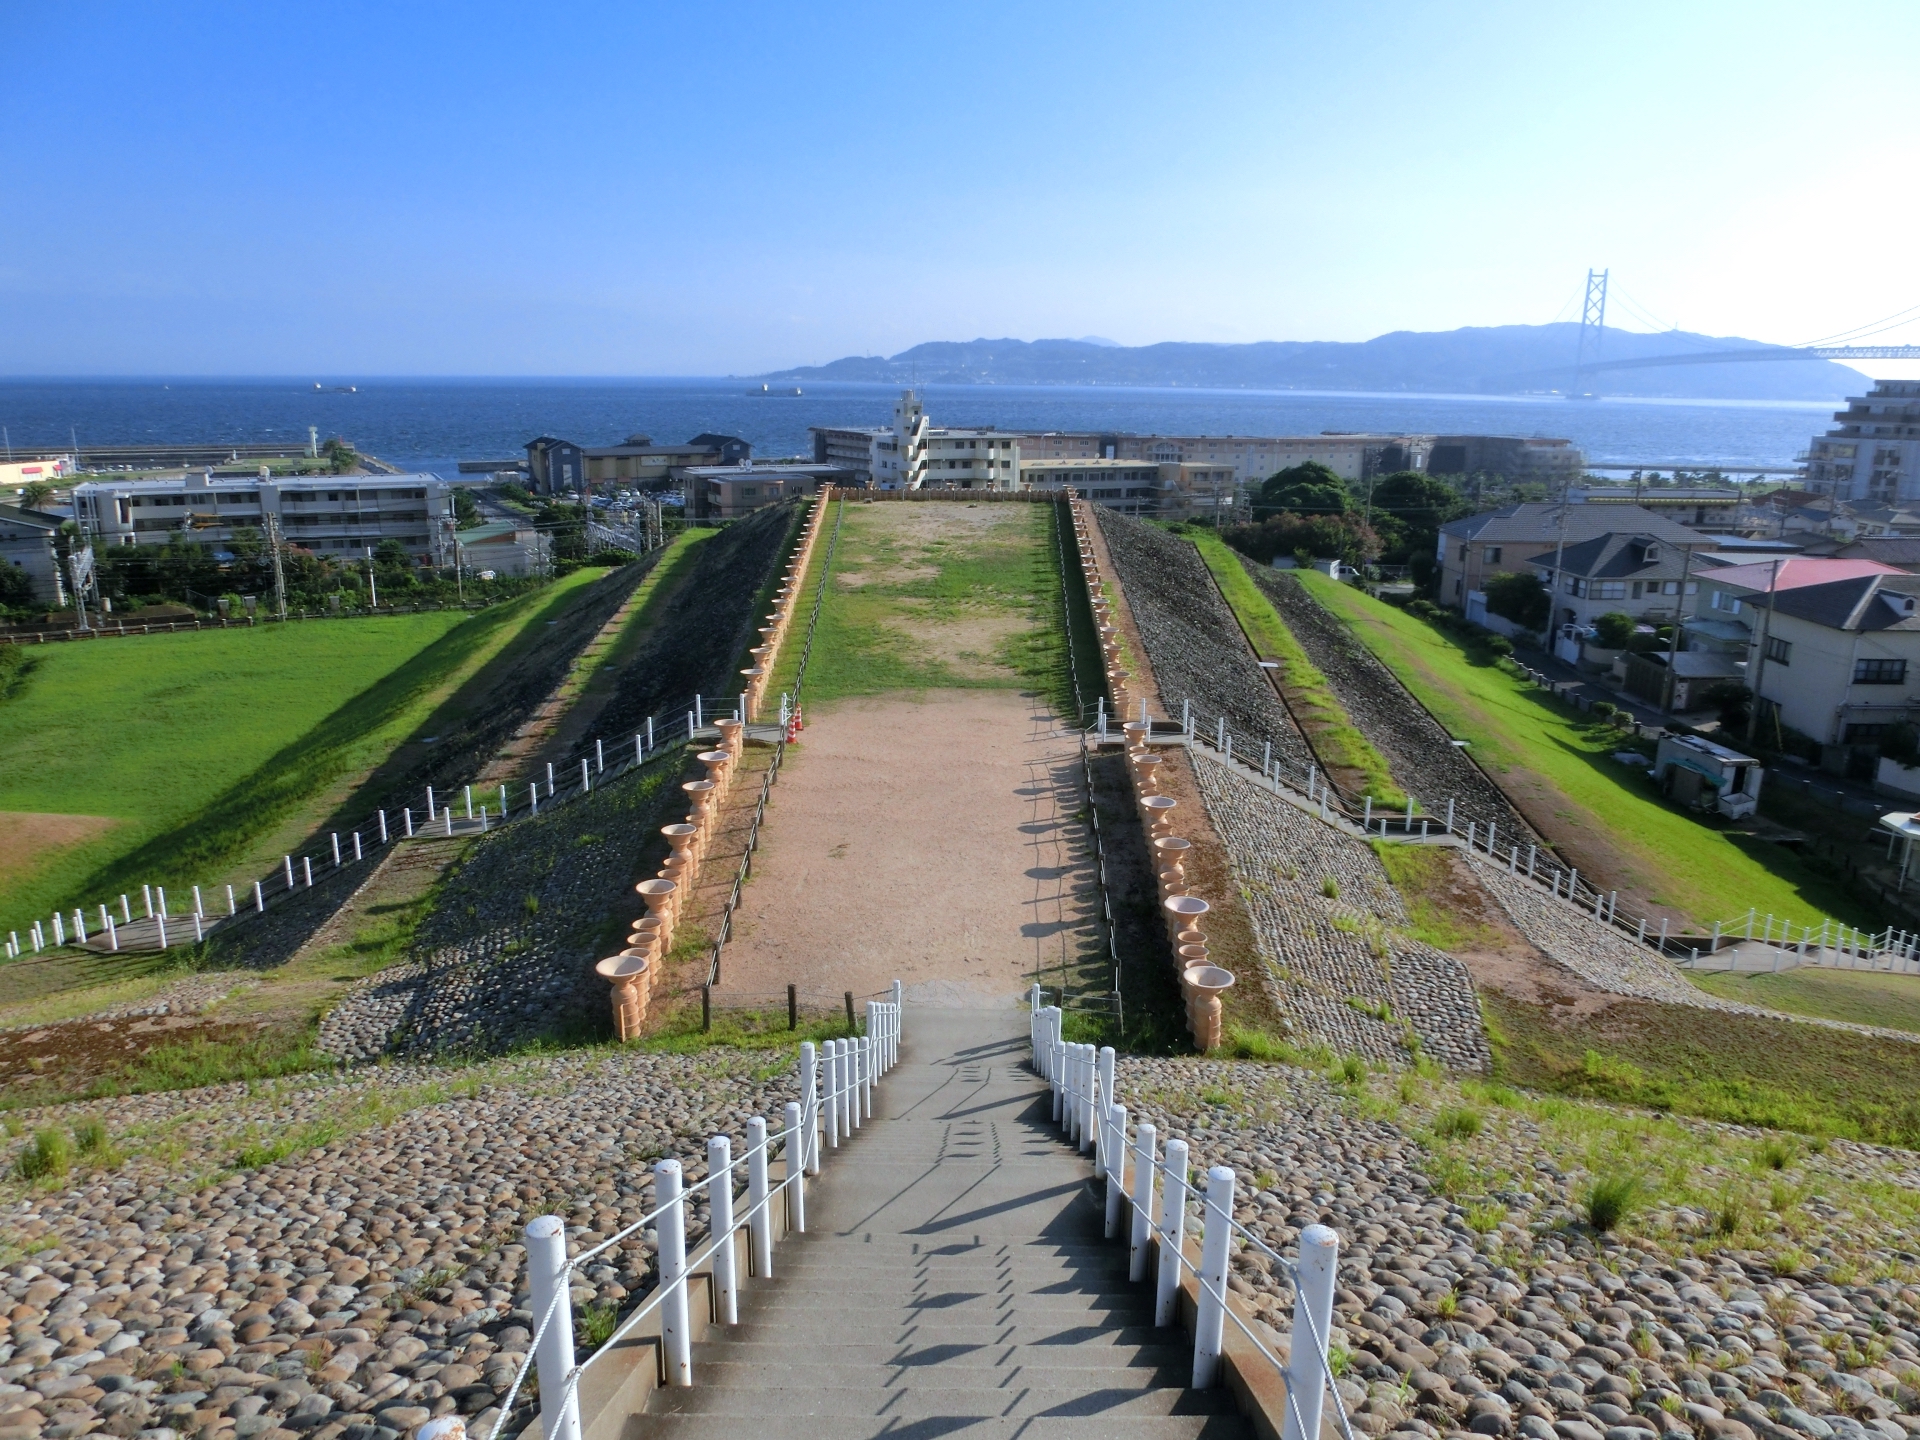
(1611, 589)
(1865, 734)
(1780, 651)
(1493, 555)
(1879, 672)
(1637, 587)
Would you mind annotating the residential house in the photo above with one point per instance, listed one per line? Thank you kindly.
(560, 466)
(726, 492)
(1507, 541)
(1831, 646)
(1699, 507)
(505, 547)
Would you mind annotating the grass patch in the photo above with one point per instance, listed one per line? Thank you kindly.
(1739, 1068)
(1517, 730)
(1423, 875)
(939, 595)
(674, 564)
(1860, 997)
(1610, 1199)
(1309, 695)
(198, 746)
(680, 1034)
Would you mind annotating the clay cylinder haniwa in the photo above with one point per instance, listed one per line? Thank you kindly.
(731, 736)
(1184, 912)
(716, 762)
(627, 974)
(659, 897)
(1159, 812)
(1207, 982)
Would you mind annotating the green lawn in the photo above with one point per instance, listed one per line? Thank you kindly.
(1518, 732)
(190, 750)
(1335, 740)
(935, 595)
(1861, 997)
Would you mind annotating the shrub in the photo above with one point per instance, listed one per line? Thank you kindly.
(1775, 1154)
(1487, 1218)
(1424, 608)
(1352, 1070)
(1614, 629)
(1609, 1199)
(48, 1153)
(1330, 888)
(1603, 708)
(1457, 1124)
(1521, 599)
(1499, 645)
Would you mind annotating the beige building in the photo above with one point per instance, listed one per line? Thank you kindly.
(913, 453)
(1508, 541)
(1138, 487)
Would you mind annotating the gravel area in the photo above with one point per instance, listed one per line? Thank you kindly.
(1193, 642)
(1417, 747)
(1528, 1324)
(1348, 974)
(506, 954)
(350, 1290)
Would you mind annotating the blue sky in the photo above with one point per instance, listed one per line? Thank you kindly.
(634, 189)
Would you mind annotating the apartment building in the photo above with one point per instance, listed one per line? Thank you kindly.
(1350, 455)
(913, 453)
(330, 516)
(1872, 455)
(558, 466)
(29, 543)
(1168, 488)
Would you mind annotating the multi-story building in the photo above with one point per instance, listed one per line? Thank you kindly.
(914, 453)
(557, 466)
(1872, 454)
(1351, 456)
(1171, 488)
(327, 515)
(28, 542)
(726, 492)
(1509, 540)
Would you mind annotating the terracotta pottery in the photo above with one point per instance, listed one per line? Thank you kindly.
(1183, 913)
(1159, 812)
(658, 894)
(716, 762)
(631, 991)
(1207, 983)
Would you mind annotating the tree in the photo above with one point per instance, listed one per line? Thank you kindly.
(1319, 536)
(340, 456)
(1614, 629)
(33, 492)
(1306, 489)
(466, 511)
(1521, 599)
(16, 587)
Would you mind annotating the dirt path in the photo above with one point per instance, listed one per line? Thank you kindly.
(934, 838)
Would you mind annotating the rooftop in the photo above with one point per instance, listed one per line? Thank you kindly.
(1547, 521)
(1794, 572)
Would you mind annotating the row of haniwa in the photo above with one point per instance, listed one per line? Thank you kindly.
(1201, 981)
(638, 972)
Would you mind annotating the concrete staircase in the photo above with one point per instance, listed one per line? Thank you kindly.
(953, 1279)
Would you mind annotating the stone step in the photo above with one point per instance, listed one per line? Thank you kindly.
(777, 1426)
(912, 1402)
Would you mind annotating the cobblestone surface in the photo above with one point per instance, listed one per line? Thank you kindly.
(1417, 747)
(1533, 1328)
(506, 954)
(1193, 642)
(347, 1291)
(1348, 974)
(190, 996)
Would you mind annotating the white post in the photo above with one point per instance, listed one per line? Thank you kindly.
(356, 846)
(1449, 817)
(59, 929)
(649, 732)
(199, 934)
(430, 811)
(586, 781)
(533, 798)
(259, 899)
(383, 827)
(1366, 822)
(198, 907)
(126, 910)
(146, 896)
(1104, 1073)
(726, 1283)
(160, 895)
(1210, 1321)
(1172, 1232)
(893, 1056)
(1492, 826)
(809, 1104)
(106, 916)
(548, 1279)
(639, 753)
(113, 934)
(407, 815)
(759, 1221)
(1312, 1320)
(1713, 948)
(1089, 1078)
(286, 862)
(483, 819)
(798, 1148)
(549, 779)
(699, 715)
(830, 1077)
(306, 866)
(79, 925)
(1266, 757)
(1141, 1225)
(503, 801)
(469, 800)
(446, 814)
(675, 1338)
(1113, 1162)
(599, 758)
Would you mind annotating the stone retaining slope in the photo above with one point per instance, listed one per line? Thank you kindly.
(1417, 747)
(1194, 643)
(506, 956)
(1281, 858)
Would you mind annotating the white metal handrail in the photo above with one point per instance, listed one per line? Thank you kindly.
(1081, 1082)
(836, 1083)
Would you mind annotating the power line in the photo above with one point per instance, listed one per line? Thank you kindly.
(1872, 327)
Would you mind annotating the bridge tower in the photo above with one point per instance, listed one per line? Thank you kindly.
(1593, 326)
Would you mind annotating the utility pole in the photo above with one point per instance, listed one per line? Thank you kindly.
(1757, 666)
(279, 573)
(1673, 641)
(373, 592)
(1559, 553)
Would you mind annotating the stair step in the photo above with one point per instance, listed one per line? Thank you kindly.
(1022, 1397)
(805, 1306)
(976, 1427)
(974, 1354)
(1015, 1329)
(822, 1370)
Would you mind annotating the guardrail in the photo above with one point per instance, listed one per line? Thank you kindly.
(1081, 1083)
(836, 1083)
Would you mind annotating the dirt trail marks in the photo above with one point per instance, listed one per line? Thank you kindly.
(933, 839)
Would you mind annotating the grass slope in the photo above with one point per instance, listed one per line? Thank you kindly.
(199, 745)
(1680, 861)
(1311, 699)
(1859, 997)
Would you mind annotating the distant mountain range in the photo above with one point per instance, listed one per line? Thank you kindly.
(1502, 359)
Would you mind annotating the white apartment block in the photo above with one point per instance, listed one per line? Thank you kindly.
(1253, 457)
(329, 515)
(913, 452)
(1872, 455)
